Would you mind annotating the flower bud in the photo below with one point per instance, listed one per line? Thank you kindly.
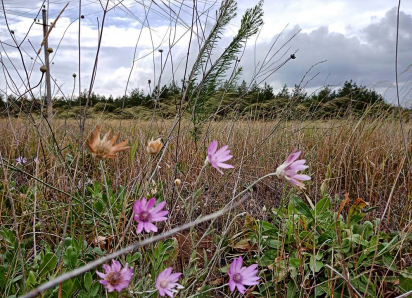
(74, 75)
(154, 146)
(178, 182)
(43, 69)
(50, 50)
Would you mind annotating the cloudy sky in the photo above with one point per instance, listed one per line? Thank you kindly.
(353, 40)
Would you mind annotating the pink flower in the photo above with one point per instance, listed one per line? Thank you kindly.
(216, 159)
(21, 160)
(144, 215)
(166, 282)
(115, 278)
(241, 276)
(289, 170)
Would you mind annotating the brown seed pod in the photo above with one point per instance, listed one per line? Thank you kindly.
(50, 50)
(43, 69)
(154, 146)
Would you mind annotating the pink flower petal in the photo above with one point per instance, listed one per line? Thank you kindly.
(221, 151)
(151, 203)
(241, 288)
(302, 177)
(232, 285)
(225, 166)
(212, 147)
(158, 207)
(292, 157)
(148, 226)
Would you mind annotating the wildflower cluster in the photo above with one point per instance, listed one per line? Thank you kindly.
(21, 160)
(147, 213)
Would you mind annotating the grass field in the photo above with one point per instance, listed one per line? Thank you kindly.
(362, 157)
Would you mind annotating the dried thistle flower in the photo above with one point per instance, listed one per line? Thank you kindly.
(105, 148)
(154, 146)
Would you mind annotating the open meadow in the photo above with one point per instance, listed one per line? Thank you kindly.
(197, 149)
(68, 194)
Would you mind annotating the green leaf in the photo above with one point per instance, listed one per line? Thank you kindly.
(95, 289)
(88, 281)
(405, 283)
(31, 280)
(322, 206)
(99, 206)
(326, 237)
(133, 150)
(68, 287)
(70, 257)
(266, 225)
(293, 262)
(387, 246)
(315, 265)
(292, 289)
(98, 251)
(301, 207)
(367, 230)
(48, 263)
(273, 243)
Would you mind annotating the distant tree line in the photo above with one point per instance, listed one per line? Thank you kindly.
(229, 97)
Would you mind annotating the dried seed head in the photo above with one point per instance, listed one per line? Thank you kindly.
(178, 182)
(160, 51)
(82, 16)
(149, 81)
(105, 148)
(74, 75)
(43, 69)
(50, 50)
(154, 146)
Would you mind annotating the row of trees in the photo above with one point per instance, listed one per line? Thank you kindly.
(171, 95)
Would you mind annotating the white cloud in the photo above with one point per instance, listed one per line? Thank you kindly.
(343, 18)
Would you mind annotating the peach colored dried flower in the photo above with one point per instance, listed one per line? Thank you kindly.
(154, 146)
(105, 148)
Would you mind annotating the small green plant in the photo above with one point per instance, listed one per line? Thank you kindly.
(307, 252)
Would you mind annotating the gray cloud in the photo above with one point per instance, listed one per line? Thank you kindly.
(366, 56)
(367, 59)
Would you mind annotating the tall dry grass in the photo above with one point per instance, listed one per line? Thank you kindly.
(362, 157)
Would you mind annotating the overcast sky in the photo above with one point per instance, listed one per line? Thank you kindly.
(356, 38)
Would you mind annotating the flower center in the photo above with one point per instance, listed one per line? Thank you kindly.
(237, 278)
(144, 216)
(164, 284)
(280, 171)
(114, 278)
